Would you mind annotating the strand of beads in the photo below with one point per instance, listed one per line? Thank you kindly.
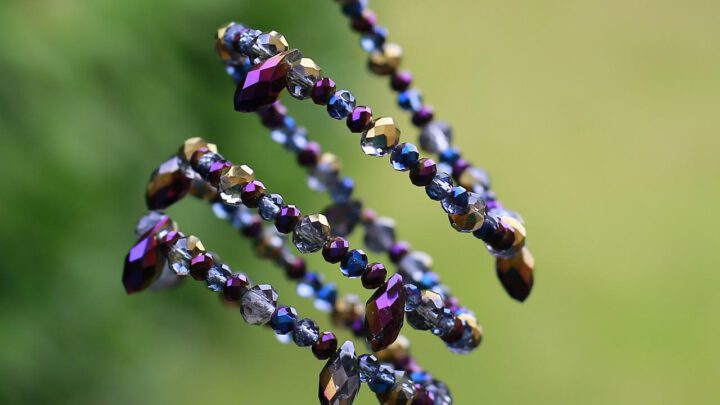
(263, 72)
(503, 230)
(160, 244)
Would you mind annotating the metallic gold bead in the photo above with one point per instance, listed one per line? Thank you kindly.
(269, 245)
(347, 309)
(516, 274)
(476, 330)
(520, 232)
(381, 137)
(302, 76)
(398, 350)
(220, 45)
(473, 219)
(193, 144)
(386, 61)
(232, 182)
(269, 44)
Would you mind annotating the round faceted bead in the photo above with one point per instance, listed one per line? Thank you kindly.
(414, 266)
(450, 155)
(410, 100)
(269, 44)
(474, 179)
(269, 206)
(296, 269)
(427, 313)
(354, 263)
(343, 217)
(235, 286)
(404, 156)
(374, 40)
(387, 60)
(305, 332)
(322, 90)
(191, 145)
(325, 173)
(325, 298)
(311, 233)
(217, 170)
(413, 297)
(232, 183)
(398, 251)
(302, 76)
(435, 137)
(516, 274)
(369, 367)
(473, 218)
(381, 137)
(325, 346)
(380, 234)
(309, 155)
(423, 172)
(217, 277)
(440, 187)
(450, 329)
(383, 381)
(341, 104)
(283, 320)
(360, 118)
(423, 116)
(245, 40)
(273, 115)
(181, 250)
(401, 80)
(471, 336)
(258, 304)
(335, 249)
(251, 193)
(286, 220)
(459, 168)
(456, 201)
(364, 22)
(373, 276)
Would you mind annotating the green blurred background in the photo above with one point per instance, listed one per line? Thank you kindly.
(598, 121)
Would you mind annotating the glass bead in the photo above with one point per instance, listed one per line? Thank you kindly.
(143, 263)
(439, 392)
(384, 380)
(373, 276)
(412, 297)
(373, 41)
(445, 324)
(262, 85)
(200, 264)
(341, 104)
(258, 304)
(414, 265)
(325, 174)
(475, 179)
(283, 320)
(217, 277)
(309, 285)
(473, 218)
(471, 336)
(456, 202)
(387, 60)
(342, 190)
(401, 81)
(325, 298)
(423, 116)
(235, 286)
(410, 100)
(340, 378)
(398, 251)
(232, 183)
(429, 280)
(343, 217)
(435, 137)
(296, 269)
(364, 22)
(322, 90)
(301, 78)
(354, 263)
(167, 280)
(459, 168)
(168, 184)
(181, 252)
(440, 187)
(147, 222)
(380, 235)
(381, 137)
(269, 206)
(223, 47)
(360, 118)
(404, 156)
(402, 393)
(369, 367)
(268, 44)
(426, 315)
(325, 346)
(516, 274)
(274, 115)
(205, 161)
(384, 313)
(516, 232)
(310, 154)
(353, 8)
(422, 173)
(246, 40)
(305, 332)
(311, 233)
(251, 193)
(335, 249)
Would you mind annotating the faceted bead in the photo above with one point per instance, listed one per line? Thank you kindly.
(217, 170)
(200, 264)
(245, 40)
(513, 231)
(258, 304)
(401, 80)
(471, 336)
(269, 44)
(325, 174)
(296, 269)
(459, 168)
(167, 280)
(373, 276)
(322, 90)
(191, 145)
(168, 185)
(273, 115)
(343, 217)
(449, 328)
(269, 244)
(398, 251)
(347, 310)
(474, 179)
(435, 137)
(404, 156)
(426, 315)
(396, 353)
(262, 84)
(364, 22)
(423, 172)
(341, 104)
(402, 393)
(473, 219)
(203, 190)
(353, 8)
(283, 320)
(359, 119)
(440, 187)
(381, 137)
(269, 206)
(380, 235)
(440, 393)
(335, 249)
(369, 367)
(217, 277)
(251, 193)
(516, 274)
(220, 45)
(305, 332)
(148, 222)
(253, 228)
(373, 40)
(287, 219)
(143, 265)
(309, 155)
(384, 380)
(311, 233)
(326, 298)
(340, 378)
(384, 313)
(413, 297)
(301, 78)
(180, 253)
(325, 346)
(232, 183)
(423, 116)
(457, 201)
(354, 263)
(410, 100)
(450, 155)
(386, 61)
(414, 266)
(235, 286)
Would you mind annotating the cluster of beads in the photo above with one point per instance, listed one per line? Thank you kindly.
(164, 256)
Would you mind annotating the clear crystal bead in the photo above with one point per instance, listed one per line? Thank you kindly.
(181, 252)
(258, 304)
(380, 235)
(269, 206)
(311, 233)
(340, 378)
(426, 315)
(268, 44)
(147, 222)
(306, 332)
(435, 137)
(302, 77)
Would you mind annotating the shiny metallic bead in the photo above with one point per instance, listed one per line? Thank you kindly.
(404, 156)
(220, 45)
(236, 286)
(311, 233)
(384, 313)
(472, 219)
(322, 90)
(148, 222)
(425, 316)
(305, 332)
(268, 44)
(262, 85)
(516, 274)
(380, 235)
(283, 320)
(340, 378)
(387, 60)
(474, 179)
(303, 75)
(245, 41)
(456, 202)
(181, 252)
(401, 81)
(191, 145)
(414, 266)
(325, 346)
(413, 297)
(402, 393)
(354, 263)
(384, 380)
(269, 206)
(341, 104)
(423, 172)
(435, 137)
(518, 233)
(232, 183)
(287, 218)
(382, 136)
(251, 193)
(258, 304)
(440, 187)
(410, 100)
(471, 336)
(360, 118)
(217, 277)
(373, 276)
(325, 173)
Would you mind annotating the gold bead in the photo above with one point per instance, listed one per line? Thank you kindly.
(193, 144)
(477, 332)
(381, 137)
(471, 220)
(386, 61)
(203, 190)
(516, 274)
(232, 182)
(220, 45)
(520, 232)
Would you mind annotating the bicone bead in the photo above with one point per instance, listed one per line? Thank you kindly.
(251, 193)
(360, 118)
(311, 233)
(513, 238)
(269, 44)
(325, 346)
(404, 156)
(335, 249)
(283, 320)
(472, 219)
(235, 286)
(440, 187)
(423, 172)
(287, 219)
(258, 304)
(302, 77)
(516, 274)
(269, 206)
(232, 183)
(354, 263)
(305, 332)
(262, 84)
(322, 90)
(435, 137)
(381, 137)
(341, 104)
(373, 276)
(387, 60)
(456, 202)
(168, 184)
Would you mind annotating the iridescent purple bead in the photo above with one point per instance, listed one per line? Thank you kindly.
(440, 187)
(422, 173)
(251, 193)
(273, 115)
(335, 249)
(235, 286)
(354, 263)
(360, 118)
(398, 251)
(410, 100)
(287, 219)
(322, 90)
(423, 116)
(310, 155)
(373, 276)
(296, 269)
(457, 201)
(404, 156)
(325, 346)
(341, 104)
(283, 320)
(401, 81)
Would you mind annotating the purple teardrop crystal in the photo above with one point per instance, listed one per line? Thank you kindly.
(385, 313)
(262, 84)
(143, 263)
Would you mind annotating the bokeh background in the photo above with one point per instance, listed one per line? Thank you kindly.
(598, 121)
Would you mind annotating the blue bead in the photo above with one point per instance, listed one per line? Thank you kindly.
(373, 41)
(369, 367)
(429, 280)
(440, 187)
(297, 140)
(342, 190)
(310, 284)
(325, 298)
(282, 133)
(457, 201)
(283, 320)
(269, 206)
(420, 377)
(413, 297)
(445, 323)
(450, 155)
(354, 263)
(410, 100)
(383, 381)
(341, 104)
(223, 211)
(404, 156)
(354, 8)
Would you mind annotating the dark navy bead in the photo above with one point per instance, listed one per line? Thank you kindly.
(440, 187)
(283, 320)
(457, 201)
(354, 263)
(325, 298)
(412, 297)
(341, 104)
(354, 8)
(450, 156)
(383, 381)
(373, 41)
(342, 190)
(404, 156)
(410, 100)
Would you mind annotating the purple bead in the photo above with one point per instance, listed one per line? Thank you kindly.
(262, 84)
(141, 267)
(365, 22)
(360, 118)
(373, 276)
(401, 81)
(459, 167)
(335, 250)
(325, 346)
(253, 228)
(235, 287)
(322, 90)
(423, 172)
(399, 250)
(385, 313)
(286, 220)
(252, 193)
(423, 116)
(309, 156)
(297, 269)
(273, 115)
